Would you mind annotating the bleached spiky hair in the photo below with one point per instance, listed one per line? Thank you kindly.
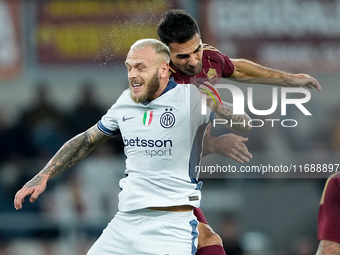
(156, 45)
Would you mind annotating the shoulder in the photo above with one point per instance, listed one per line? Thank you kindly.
(125, 95)
(212, 55)
(186, 87)
(209, 50)
(122, 100)
(185, 90)
(331, 189)
(208, 47)
(333, 181)
(175, 91)
(194, 92)
(181, 87)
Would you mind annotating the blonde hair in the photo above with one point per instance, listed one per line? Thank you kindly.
(156, 45)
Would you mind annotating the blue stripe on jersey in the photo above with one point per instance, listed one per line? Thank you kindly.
(194, 233)
(107, 131)
(196, 153)
(171, 84)
(212, 116)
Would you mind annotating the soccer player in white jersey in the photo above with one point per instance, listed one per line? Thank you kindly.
(160, 190)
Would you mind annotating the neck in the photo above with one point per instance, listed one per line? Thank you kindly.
(163, 83)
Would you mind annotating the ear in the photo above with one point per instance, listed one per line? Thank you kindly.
(164, 70)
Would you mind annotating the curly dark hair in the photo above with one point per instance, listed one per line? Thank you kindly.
(177, 26)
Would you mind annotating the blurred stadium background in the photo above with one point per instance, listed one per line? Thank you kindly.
(61, 68)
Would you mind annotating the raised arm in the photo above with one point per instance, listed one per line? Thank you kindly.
(72, 152)
(225, 116)
(250, 72)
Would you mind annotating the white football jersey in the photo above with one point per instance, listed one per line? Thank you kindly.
(163, 144)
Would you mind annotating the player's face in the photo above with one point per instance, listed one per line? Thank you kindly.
(187, 57)
(143, 74)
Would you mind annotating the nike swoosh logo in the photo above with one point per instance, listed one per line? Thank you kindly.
(125, 119)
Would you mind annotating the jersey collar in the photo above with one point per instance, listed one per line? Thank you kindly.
(171, 84)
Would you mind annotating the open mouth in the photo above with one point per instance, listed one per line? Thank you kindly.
(136, 85)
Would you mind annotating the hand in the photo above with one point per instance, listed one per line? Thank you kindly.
(230, 145)
(305, 80)
(34, 187)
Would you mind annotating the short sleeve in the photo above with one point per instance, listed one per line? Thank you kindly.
(329, 211)
(108, 123)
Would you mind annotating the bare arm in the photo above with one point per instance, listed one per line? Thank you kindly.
(230, 145)
(72, 152)
(226, 117)
(250, 72)
(328, 248)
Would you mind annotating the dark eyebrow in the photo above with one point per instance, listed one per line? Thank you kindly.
(198, 48)
(187, 55)
(182, 55)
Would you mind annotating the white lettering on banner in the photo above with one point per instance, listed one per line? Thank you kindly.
(256, 122)
(275, 18)
(238, 100)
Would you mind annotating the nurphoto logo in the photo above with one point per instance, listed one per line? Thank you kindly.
(239, 103)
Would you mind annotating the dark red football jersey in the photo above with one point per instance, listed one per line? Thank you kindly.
(329, 210)
(199, 215)
(215, 66)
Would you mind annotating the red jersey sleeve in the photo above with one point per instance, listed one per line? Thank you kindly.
(329, 211)
(199, 215)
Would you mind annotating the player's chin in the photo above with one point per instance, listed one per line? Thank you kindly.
(191, 72)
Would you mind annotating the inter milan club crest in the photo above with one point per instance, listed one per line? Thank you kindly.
(167, 119)
(147, 118)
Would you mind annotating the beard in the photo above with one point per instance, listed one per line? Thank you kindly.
(150, 91)
(191, 72)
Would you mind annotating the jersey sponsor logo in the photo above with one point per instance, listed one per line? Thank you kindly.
(167, 119)
(129, 118)
(211, 73)
(161, 148)
(147, 118)
(147, 143)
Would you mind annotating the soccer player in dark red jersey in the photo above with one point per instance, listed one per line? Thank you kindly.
(329, 218)
(191, 59)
